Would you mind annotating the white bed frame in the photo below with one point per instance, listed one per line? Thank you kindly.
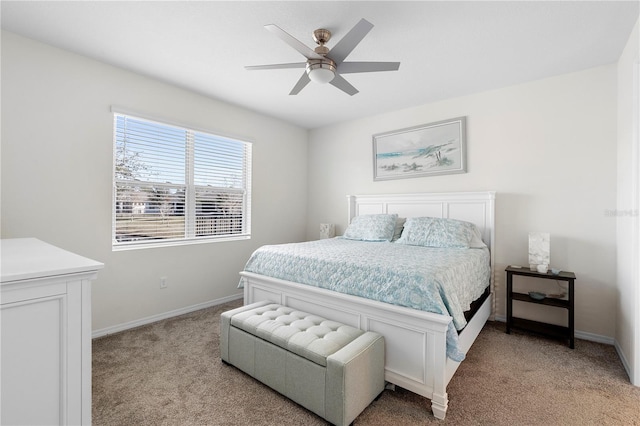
(415, 341)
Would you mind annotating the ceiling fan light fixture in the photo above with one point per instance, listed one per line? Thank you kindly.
(321, 70)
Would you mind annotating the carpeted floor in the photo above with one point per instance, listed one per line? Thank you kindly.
(170, 373)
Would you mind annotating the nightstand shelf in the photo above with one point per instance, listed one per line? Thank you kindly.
(550, 330)
(560, 303)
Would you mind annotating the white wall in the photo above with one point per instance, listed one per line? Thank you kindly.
(628, 260)
(57, 168)
(547, 148)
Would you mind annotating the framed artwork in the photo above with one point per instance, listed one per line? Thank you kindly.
(430, 149)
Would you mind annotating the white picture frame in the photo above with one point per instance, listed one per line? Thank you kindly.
(426, 150)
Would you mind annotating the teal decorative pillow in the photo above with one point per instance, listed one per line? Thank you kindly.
(371, 227)
(437, 232)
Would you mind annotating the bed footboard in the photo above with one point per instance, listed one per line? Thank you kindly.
(415, 341)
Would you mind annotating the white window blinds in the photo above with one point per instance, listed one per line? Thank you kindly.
(174, 185)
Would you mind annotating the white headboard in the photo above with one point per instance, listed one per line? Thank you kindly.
(475, 207)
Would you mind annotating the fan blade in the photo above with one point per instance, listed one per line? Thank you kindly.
(342, 49)
(353, 67)
(304, 80)
(293, 42)
(343, 85)
(276, 66)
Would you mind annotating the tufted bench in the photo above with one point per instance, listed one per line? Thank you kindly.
(332, 369)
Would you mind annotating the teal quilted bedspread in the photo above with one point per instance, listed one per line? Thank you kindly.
(440, 280)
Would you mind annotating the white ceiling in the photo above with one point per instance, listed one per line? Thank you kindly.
(446, 48)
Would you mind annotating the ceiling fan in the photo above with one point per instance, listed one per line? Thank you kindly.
(324, 65)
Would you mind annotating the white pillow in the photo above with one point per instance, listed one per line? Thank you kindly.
(372, 227)
(476, 239)
(439, 232)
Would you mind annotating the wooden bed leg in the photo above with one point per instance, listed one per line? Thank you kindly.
(439, 405)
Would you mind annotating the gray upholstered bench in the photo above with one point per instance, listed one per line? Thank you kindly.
(332, 369)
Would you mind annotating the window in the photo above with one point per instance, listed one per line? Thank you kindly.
(174, 185)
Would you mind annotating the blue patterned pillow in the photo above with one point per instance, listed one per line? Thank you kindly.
(371, 227)
(437, 232)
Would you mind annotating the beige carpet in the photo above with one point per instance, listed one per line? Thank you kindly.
(170, 373)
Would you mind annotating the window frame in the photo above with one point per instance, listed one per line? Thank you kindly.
(191, 188)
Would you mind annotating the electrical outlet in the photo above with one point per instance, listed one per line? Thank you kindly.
(163, 282)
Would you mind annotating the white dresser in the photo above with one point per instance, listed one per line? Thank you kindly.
(45, 308)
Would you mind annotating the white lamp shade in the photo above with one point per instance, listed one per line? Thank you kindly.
(539, 249)
(327, 230)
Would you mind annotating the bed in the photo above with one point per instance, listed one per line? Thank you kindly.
(419, 354)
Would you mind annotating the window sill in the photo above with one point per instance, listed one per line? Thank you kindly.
(176, 243)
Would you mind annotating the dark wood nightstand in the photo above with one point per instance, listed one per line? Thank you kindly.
(552, 330)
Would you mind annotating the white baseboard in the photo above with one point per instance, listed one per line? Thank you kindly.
(598, 338)
(625, 362)
(154, 318)
(584, 335)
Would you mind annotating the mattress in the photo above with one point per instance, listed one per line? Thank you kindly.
(440, 280)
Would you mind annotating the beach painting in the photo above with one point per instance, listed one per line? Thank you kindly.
(430, 149)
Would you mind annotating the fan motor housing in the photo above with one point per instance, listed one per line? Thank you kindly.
(325, 63)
